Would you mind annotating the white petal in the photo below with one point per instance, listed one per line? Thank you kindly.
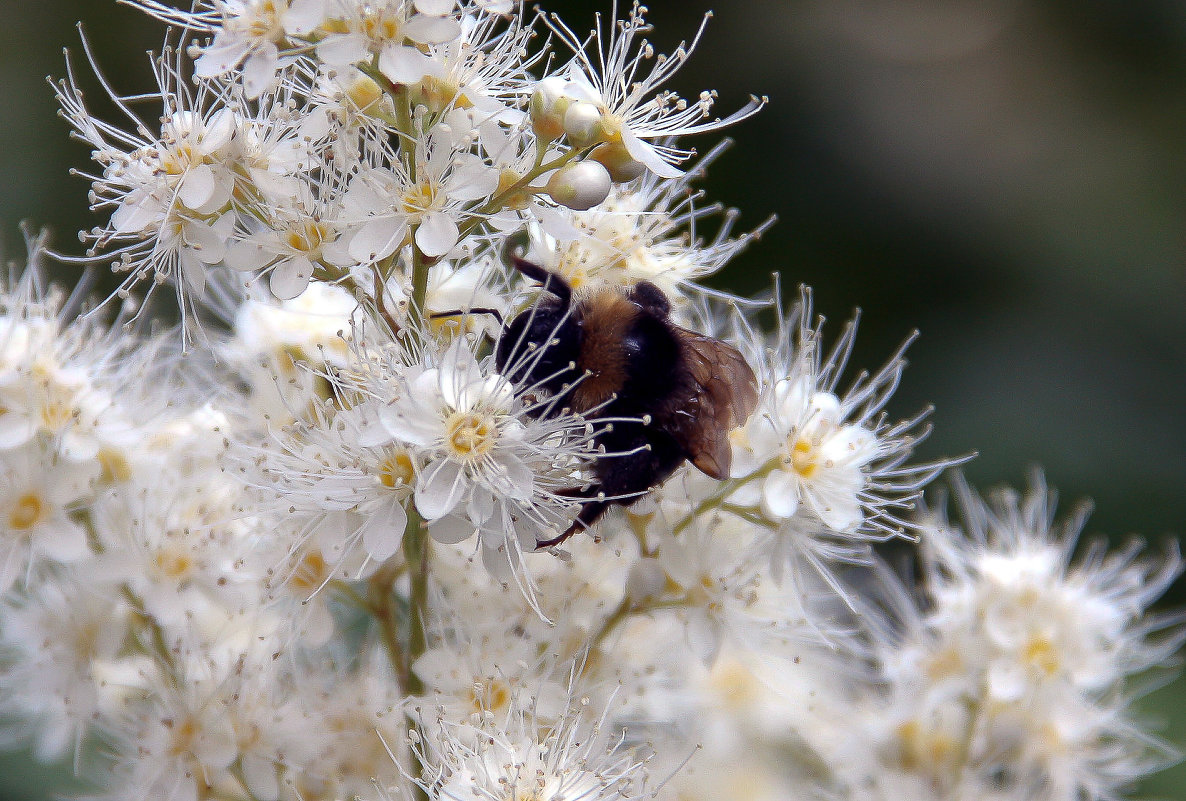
(851, 445)
(780, 494)
(644, 152)
(289, 278)
(451, 530)
(138, 212)
(472, 179)
(197, 186)
(340, 50)
(207, 242)
(260, 70)
(432, 30)
(378, 239)
(259, 772)
(441, 490)
(383, 533)
(221, 57)
(404, 64)
(303, 16)
(435, 8)
(555, 222)
(837, 508)
(437, 235)
(515, 478)
(410, 424)
(480, 506)
(218, 130)
(247, 255)
(193, 272)
(62, 540)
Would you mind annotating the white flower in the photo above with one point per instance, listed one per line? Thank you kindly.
(826, 468)
(491, 465)
(252, 34)
(55, 644)
(355, 31)
(644, 231)
(301, 236)
(1013, 672)
(574, 759)
(274, 344)
(169, 196)
(615, 104)
(38, 493)
(335, 484)
(58, 376)
(389, 201)
(478, 75)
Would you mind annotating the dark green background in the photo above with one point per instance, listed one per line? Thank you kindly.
(1005, 175)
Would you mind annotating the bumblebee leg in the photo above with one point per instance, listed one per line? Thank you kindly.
(591, 510)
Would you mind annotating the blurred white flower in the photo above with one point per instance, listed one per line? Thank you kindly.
(38, 495)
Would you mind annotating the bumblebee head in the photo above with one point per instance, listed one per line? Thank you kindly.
(539, 344)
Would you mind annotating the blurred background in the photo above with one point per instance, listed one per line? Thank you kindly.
(1007, 176)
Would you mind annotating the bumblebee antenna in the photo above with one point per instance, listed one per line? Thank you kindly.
(495, 313)
(552, 282)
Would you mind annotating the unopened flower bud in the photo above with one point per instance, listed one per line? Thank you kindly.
(621, 165)
(582, 123)
(580, 186)
(548, 104)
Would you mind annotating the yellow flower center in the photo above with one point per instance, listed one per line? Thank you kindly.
(179, 159)
(182, 735)
(518, 199)
(1041, 654)
(364, 93)
(492, 696)
(381, 26)
(173, 563)
(28, 511)
(308, 238)
(924, 749)
(311, 572)
(439, 94)
(425, 195)
(266, 23)
(470, 436)
(396, 469)
(114, 466)
(802, 457)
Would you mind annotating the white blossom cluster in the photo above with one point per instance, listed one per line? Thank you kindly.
(288, 549)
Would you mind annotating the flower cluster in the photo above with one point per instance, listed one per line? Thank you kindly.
(345, 532)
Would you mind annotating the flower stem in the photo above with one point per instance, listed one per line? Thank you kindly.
(416, 556)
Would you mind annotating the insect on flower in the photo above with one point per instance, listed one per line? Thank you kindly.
(673, 394)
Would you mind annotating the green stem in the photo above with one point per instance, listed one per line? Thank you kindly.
(623, 611)
(381, 602)
(416, 555)
(420, 265)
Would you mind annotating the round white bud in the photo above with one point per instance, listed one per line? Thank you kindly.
(580, 186)
(582, 123)
(621, 165)
(548, 104)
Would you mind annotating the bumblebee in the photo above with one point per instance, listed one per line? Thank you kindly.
(674, 395)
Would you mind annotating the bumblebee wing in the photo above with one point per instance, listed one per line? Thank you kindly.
(723, 395)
